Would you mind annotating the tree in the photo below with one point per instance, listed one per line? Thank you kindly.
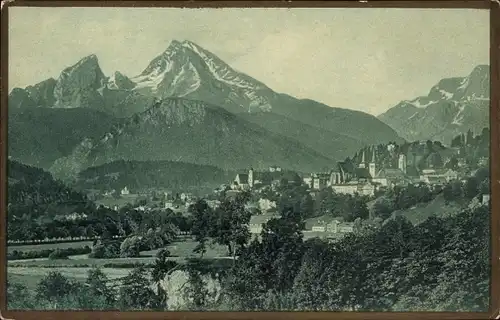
(230, 226)
(18, 297)
(54, 286)
(307, 205)
(383, 208)
(471, 188)
(136, 292)
(161, 268)
(131, 247)
(96, 284)
(202, 218)
(196, 291)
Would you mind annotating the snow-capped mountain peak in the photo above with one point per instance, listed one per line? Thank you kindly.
(453, 106)
(186, 69)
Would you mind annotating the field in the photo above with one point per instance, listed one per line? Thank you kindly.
(31, 276)
(29, 272)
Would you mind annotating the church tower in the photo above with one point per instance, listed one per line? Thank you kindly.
(250, 177)
(402, 163)
(372, 165)
(362, 164)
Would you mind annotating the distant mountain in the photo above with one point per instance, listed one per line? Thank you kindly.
(186, 70)
(453, 106)
(39, 136)
(139, 175)
(177, 129)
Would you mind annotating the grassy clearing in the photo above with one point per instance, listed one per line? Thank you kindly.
(185, 249)
(77, 263)
(31, 276)
(46, 246)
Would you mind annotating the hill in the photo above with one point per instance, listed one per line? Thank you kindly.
(151, 174)
(194, 132)
(39, 136)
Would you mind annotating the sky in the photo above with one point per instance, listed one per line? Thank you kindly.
(364, 59)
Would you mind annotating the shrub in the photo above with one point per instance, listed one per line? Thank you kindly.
(58, 254)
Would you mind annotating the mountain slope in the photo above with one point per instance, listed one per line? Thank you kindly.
(315, 138)
(194, 132)
(453, 106)
(39, 136)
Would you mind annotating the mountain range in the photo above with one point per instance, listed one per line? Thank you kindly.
(453, 106)
(187, 105)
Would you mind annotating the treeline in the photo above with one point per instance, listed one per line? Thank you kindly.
(375, 270)
(138, 175)
(96, 222)
(47, 253)
(33, 187)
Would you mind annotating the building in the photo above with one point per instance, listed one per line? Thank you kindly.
(318, 229)
(257, 222)
(486, 199)
(307, 179)
(213, 203)
(187, 197)
(125, 191)
(320, 180)
(274, 169)
(437, 176)
(355, 187)
(337, 226)
(388, 177)
(169, 205)
(266, 204)
(402, 163)
(241, 182)
(346, 188)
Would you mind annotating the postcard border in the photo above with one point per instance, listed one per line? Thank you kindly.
(493, 6)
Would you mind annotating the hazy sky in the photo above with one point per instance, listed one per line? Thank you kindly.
(364, 59)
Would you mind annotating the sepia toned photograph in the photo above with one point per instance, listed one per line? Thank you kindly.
(248, 159)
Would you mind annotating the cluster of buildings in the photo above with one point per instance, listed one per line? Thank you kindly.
(366, 178)
(249, 180)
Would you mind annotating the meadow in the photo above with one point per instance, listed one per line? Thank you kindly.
(30, 271)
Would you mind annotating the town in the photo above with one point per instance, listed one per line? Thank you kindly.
(367, 177)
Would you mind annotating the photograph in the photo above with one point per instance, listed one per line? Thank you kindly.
(248, 159)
